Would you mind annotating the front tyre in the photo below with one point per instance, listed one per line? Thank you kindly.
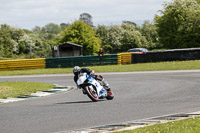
(92, 93)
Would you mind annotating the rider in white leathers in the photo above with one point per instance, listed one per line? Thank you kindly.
(77, 70)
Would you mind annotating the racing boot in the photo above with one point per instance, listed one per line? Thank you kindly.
(106, 86)
(110, 94)
(84, 91)
(109, 91)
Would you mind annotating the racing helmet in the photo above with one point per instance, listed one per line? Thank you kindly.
(76, 69)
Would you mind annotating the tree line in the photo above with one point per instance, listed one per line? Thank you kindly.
(176, 26)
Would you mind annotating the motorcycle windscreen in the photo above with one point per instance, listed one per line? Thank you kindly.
(81, 79)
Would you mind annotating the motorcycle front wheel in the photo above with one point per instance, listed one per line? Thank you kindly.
(92, 93)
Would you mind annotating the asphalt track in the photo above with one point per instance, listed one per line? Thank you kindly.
(138, 95)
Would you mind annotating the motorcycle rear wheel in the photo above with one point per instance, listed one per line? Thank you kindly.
(110, 95)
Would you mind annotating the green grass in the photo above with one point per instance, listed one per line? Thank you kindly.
(177, 65)
(16, 89)
(191, 125)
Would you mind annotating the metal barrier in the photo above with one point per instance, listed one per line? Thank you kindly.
(124, 58)
(167, 55)
(113, 59)
(119, 61)
(64, 62)
(22, 64)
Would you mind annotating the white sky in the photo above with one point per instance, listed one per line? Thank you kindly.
(30, 13)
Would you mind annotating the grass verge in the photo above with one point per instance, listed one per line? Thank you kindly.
(16, 89)
(191, 125)
(177, 65)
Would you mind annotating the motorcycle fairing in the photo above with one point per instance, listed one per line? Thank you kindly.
(100, 89)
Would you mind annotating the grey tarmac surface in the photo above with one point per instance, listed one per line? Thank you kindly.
(138, 95)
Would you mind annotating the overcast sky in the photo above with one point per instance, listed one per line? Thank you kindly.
(30, 13)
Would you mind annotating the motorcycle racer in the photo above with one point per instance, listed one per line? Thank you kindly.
(77, 70)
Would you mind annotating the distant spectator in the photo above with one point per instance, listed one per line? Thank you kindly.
(101, 53)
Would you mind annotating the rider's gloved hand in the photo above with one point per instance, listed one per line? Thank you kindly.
(92, 73)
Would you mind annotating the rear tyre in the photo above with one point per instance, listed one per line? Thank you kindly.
(110, 95)
(92, 93)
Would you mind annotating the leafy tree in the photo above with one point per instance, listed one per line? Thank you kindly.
(198, 1)
(120, 38)
(132, 37)
(148, 30)
(102, 32)
(42, 41)
(179, 24)
(9, 38)
(129, 22)
(87, 18)
(82, 34)
(63, 26)
(26, 44)
(37, 29)
(21, 43)
(41, 49)
(50, 30)
(115, 37)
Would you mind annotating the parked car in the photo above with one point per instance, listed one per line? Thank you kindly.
(138, 50)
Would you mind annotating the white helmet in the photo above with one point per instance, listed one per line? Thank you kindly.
(76, 69)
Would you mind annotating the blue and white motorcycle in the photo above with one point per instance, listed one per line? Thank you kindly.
(93, 88)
